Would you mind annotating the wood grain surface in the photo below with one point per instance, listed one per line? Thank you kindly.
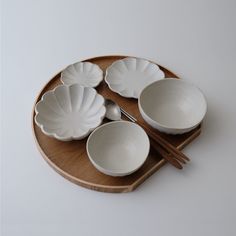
(70, 159)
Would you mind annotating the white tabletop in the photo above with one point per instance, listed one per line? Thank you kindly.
(194, 39)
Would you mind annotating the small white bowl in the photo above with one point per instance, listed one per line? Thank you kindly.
(129, 76)
(172, 106)
(70, 112)
(84, 73)
(118, 148)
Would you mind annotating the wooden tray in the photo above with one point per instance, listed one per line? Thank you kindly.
(70, 158)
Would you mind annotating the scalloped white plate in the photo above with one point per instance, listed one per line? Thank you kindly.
(129, 76)
(70, 112)
(83, 73)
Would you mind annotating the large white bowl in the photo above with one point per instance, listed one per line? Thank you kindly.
(69, 112)
(118, 148)
(172, 106)
(84, 73)
(129, 76)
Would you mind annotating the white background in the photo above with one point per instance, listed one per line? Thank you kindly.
(194, 39)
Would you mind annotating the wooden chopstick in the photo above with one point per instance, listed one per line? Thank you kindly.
(170, 148)
(165, 155)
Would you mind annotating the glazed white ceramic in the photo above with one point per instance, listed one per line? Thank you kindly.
(69, 112)
(118, 148)
(172, 106)
(84, 73)
(129, 76)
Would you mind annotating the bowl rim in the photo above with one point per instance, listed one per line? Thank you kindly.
(178, 81)
(116, 173)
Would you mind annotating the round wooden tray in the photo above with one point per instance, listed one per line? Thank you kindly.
(70, 158)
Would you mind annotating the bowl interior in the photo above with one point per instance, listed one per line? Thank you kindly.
(118, 147)
(173, 103)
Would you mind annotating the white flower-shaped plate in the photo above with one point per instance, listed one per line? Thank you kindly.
(83, 73)
(129, 76)
(70, 112)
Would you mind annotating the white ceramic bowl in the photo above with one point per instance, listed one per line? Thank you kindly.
(84, 73)
(129, 76)
(118, 148)
(69, 112)
(172, 106)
